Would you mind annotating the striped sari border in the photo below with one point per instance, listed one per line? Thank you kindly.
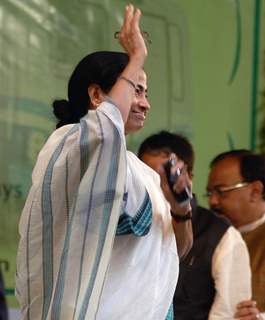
(170, 314)
(89, 210)
(47, 232)
(66, 189)
(109, 198)
(140, 224)
(28, 263)
(59, 290)
(84, 148)
(56, 307)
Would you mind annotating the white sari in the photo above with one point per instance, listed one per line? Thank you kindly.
(86, 189)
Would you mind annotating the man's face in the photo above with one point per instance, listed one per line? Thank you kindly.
(235, 204)
(156, 158)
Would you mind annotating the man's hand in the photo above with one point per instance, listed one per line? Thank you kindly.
(182, 181)
(247, 310)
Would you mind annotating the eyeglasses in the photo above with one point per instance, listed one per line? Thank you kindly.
(220, 191)
(145, 35)
(140, 91)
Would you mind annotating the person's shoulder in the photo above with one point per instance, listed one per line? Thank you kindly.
(137, 163)
(57, 135)
(112, 112)
(234, 233)
(232, 240)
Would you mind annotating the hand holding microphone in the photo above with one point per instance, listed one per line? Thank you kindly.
(177, 188)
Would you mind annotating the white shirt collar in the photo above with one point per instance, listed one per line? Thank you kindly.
(253, 225)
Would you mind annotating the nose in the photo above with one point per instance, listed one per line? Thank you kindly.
(213, 200)
(143, 103)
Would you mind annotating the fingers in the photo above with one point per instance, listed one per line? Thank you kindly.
(179, 175)
(128, 15)
(136, 19)
(163, 181)
(246, 303)
(177, 167)
(247, 310)
(179, 170)
(130, 36)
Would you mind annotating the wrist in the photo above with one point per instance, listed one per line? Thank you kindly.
(138, 59)
(180, 209)
(133, 69)
(181, 218)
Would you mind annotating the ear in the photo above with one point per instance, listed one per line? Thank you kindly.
(96, 95)
(256, 190)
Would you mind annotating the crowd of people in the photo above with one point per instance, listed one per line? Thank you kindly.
(107, 235)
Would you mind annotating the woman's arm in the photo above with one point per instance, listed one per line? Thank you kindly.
(130, 37)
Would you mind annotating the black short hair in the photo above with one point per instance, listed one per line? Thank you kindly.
(252, 165)
(236, 153)
(172, 142)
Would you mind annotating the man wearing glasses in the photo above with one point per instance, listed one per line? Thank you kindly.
(236, 190)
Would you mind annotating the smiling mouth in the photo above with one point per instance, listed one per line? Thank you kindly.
(139, 115)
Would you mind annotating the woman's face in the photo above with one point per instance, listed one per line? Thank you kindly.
(139, 108)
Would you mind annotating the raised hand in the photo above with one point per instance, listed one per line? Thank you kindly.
(130, 36)
(131, 39)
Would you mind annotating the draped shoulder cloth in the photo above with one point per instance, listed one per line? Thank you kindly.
(96, 234)
(69, 220)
